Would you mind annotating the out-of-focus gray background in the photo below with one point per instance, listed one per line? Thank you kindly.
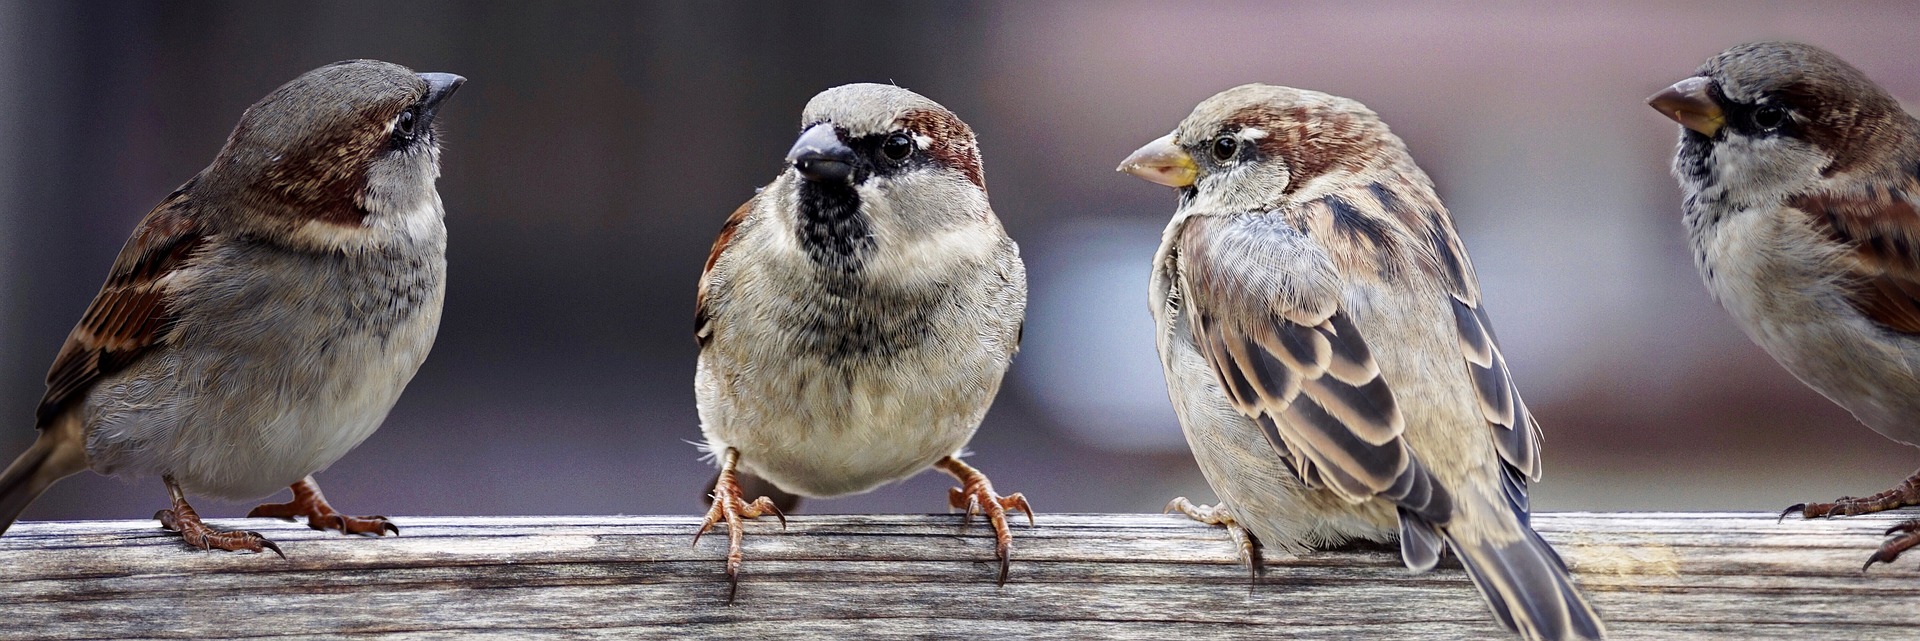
(597, 148)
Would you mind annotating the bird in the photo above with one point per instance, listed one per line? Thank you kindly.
(856, 315)
(263, 318)
(1799, 178)
(1329, 356)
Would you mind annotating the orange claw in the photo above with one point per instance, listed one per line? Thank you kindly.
(181, 518)
(310, 503)
(976, 495)
(729, 507)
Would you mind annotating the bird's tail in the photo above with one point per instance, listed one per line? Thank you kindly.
(1528, 587)
(58, 453)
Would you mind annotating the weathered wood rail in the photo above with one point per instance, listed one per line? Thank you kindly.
(1075, 576)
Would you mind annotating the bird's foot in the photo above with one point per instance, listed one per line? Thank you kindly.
(1904, 535)
(1218, 514)
(310, 503)
(976, 496)
(182, 519)
(1903, 495)
(729, 507)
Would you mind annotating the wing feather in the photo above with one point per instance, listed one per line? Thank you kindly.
(1266, 314)
(702, 330)
(1880, 226)
(130, 315)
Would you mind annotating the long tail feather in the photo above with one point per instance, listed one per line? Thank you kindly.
(1529, 588)
(58, 453)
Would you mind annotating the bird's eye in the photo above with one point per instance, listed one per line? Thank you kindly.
(897, 147)
(1225, 147)
(1769, 117)
(404, 125)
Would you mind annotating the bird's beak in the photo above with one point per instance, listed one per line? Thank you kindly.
(1163, 162)
(1688, 103)
(439, 87)
(819, 155)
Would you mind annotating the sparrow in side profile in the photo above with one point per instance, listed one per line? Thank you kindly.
(1800, 186)
(1326, 350)
(265, 316)
(855, 316)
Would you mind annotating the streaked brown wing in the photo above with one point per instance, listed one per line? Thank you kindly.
(701, 332)
(1882, 227)
(130, 315)
(1292, 361)
(1516, 435)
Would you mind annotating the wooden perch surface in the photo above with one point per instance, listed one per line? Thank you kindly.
(1075, 576)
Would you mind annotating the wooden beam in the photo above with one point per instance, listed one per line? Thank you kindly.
(1075, 576)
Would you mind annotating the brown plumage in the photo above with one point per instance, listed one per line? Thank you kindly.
(1800, 177)
(856, 315)
(1325, 348)
(262, 319)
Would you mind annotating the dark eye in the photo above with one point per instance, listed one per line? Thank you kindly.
(403, 129)
(897, 147)
(1225, 147)
(1768, 117)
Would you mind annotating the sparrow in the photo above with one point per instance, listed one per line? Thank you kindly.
(856, 315)
(1328, 356)
(1799, 183)
(265, 316)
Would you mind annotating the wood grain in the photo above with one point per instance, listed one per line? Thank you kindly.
(1075, 576)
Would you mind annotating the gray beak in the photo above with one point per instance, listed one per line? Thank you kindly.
(819, 155)
(440, 86)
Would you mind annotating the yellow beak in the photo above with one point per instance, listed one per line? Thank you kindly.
(1163, 162)
(1688, 103)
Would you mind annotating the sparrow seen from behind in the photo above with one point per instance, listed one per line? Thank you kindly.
(856, 315)
(1800, 179)
(263, 319)
(1326, 350)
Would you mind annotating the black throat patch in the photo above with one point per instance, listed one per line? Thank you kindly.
(837, 236)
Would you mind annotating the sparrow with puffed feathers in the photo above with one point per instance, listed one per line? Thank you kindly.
(1801, 180)
(856, 316)
(263, 319)
(1327, 352)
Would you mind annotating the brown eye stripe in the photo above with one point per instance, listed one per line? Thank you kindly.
(953, 142)
(1311, 141)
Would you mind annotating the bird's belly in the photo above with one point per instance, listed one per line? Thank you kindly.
(820, 430)
(1786, 302)
(266, 415)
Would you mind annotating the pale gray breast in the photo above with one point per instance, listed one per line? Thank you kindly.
(261, 298)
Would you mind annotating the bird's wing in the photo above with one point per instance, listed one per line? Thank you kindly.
(1516, 435)
(1880, 225)
(1265, 304)
(702, 329)
(130, 316)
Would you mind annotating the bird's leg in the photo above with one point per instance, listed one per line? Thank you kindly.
(309, 502)
(729, 507)
(976, 494)
(1218, 514)
(1903, 495)
(181, 518)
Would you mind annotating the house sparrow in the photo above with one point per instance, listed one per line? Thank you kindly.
(1325, 348)
(856, 315)
(265, 316)
(1799, 177)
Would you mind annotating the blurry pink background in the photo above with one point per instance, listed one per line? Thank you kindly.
(597, 148)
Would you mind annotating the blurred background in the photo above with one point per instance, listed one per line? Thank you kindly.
(598, 146)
